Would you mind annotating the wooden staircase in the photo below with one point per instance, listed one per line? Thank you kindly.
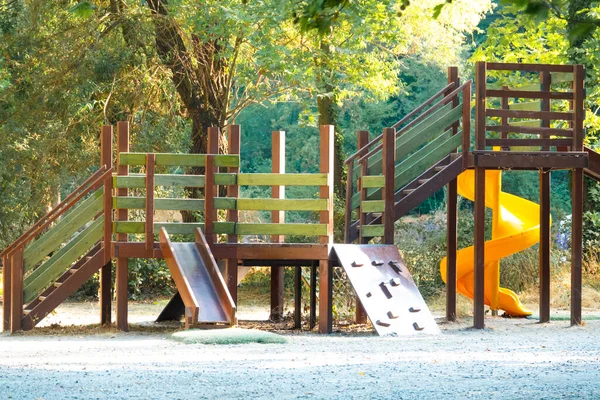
(417, 191)
(65, 285)
(593, 169)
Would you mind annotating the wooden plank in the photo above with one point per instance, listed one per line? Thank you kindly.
(283, 204)
(530, 130)
(137, 181)
(225, 203)
(564, 116)
(183, 160)
(61, 260)
(369, 231)
(480, 104)
(284, 252)
(561, 77)
(544, 270)
(373, 181)
(149, 229)
(528, 142)
(529, 67)
(532, 122)
(369, 206)
(387, 193)
(526, 106)
(530, 160)
(281, 229)
(479, 246)
(576, 243)
(228, 228)
(528, 94)
(172, 227)
(282, 179)
(63, 230)
(326, 159)
(133, 203)
(545, 86)
(122, 267)
(16, 290)
(297, 297)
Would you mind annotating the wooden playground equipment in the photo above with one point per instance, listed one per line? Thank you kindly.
(387, 177)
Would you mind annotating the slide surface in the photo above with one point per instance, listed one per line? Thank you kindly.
(515, 227)
(198, 280)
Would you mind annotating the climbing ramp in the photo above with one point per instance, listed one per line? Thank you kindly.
(201, 286)
(386, 289)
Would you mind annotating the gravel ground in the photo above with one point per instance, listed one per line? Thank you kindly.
(510, 359)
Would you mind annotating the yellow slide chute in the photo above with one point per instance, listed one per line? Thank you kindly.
(515, 227)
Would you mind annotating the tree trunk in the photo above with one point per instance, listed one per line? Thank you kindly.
(328, 115)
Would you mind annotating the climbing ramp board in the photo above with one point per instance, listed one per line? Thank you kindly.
(386, 289)
(199, 282)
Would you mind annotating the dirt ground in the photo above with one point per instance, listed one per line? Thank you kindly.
(511, 358)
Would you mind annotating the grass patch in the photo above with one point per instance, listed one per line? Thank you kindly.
(227, 336)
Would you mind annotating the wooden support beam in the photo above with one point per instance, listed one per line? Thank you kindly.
(578, 108)
(6, 292)
(297, 297)
(106, 143)
(149, 228)
(312, 321)
(16, 290)
(325, 296)
(576, 244)
(466, 124)
(544, 246)
(277, 217)
(233, 191)
(479, 242)
(122, 271)
(326, 217)
(389, 163)
(480, 105)
(451, 249)
(210, 192)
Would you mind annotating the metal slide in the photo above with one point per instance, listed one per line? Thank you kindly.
(201, 286)
(386, 289)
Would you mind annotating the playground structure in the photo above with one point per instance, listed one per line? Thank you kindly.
(387, 177)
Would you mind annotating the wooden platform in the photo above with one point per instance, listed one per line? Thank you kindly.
(528, 160)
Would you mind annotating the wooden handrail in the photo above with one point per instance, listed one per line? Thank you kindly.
(445, 100)
(65, 205)
(364, 149)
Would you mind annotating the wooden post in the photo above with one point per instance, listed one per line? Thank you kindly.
(6, 293)
(545, 104)
(480, 105)
(466, 125)
(387, 192)
(312, 321)
(231, 264)
(578, 108)
(16, 290)
(106, 141)
(326, 217)
(150, 161)
(122, 278)
(277, 217)
(479, 243)
(298, 297)
(504, 120)
(210, 191)
(544, 246)
(361, 313)
(576, 244)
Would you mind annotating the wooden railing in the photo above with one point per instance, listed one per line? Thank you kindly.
(553, 120)
(44, 252)
(425, 140)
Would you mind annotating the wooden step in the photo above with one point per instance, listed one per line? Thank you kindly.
(26, 312)
(57, 284)
(73, 270)
(422, 181)
(439, 168)
(408, 191)
(42, 298)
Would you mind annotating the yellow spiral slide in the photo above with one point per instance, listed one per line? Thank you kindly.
(515, 227)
